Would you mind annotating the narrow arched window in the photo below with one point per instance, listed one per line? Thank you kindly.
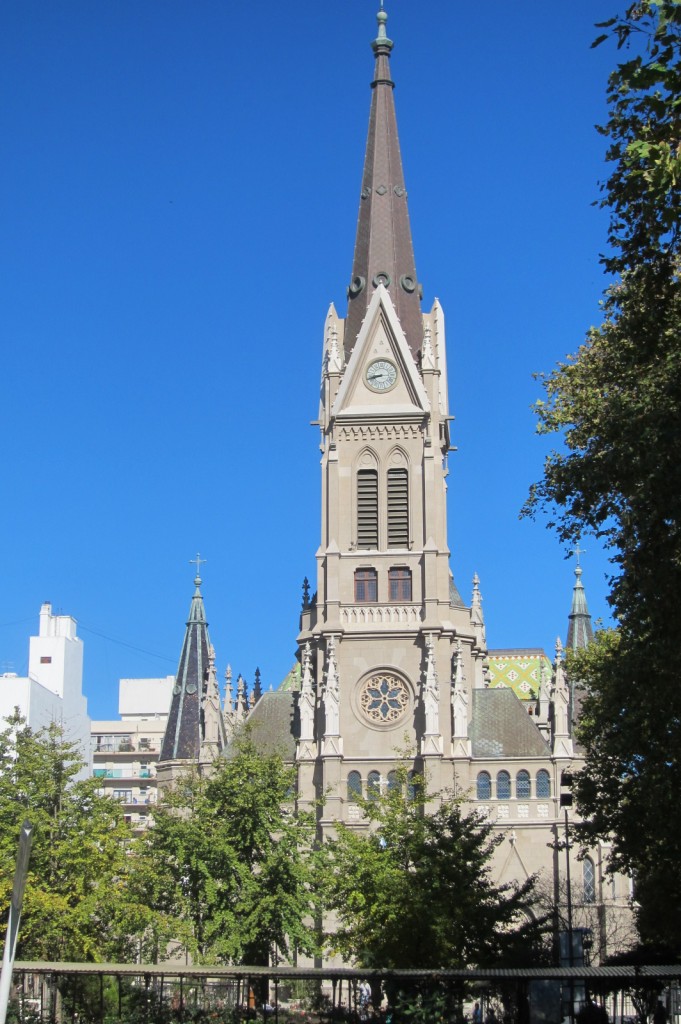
(373, 785)
(398, 508)
(367, 508)
(543, 783)
(366, 585)
(354, 786)
(522, 785)
(394, 782)
(589, 878)
(484, 786)
(413, 785)
(399, 583)
(503, 786)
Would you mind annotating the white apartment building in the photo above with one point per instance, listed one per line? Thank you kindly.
(125, 750)
(53, 689)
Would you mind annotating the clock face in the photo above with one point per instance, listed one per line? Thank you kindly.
(381, 375)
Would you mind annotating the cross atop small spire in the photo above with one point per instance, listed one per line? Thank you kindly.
(577, 551)
(198, 562)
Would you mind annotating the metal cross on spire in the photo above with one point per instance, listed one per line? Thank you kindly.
(577, 551)
(198, 562)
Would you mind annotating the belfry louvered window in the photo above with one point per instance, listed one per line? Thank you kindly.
(398, 508)
(367, 508)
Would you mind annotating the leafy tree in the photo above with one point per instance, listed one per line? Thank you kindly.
(228, 865)
(415, 890)
(617, 403)
(75, 888)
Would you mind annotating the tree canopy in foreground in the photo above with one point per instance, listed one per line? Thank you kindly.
(617, 405)
(227, 867)
(415, 890)
(76, 885)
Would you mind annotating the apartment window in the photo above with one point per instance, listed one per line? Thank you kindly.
(522, 785)
(398, 508)
(484, 786)
(367, 508)
(589, 878)
(543, 783)
(399, 582)
(123, 794)
(366, 585)
(354, 786)
(503, 786)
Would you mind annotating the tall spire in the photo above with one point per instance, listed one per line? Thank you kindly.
(383, 247)
(183, 735)
(580, 631)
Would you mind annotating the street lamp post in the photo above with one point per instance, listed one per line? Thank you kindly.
(565, 802)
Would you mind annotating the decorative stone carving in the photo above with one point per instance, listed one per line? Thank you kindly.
(430, 696)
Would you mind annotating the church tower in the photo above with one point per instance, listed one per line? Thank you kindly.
(389, 652)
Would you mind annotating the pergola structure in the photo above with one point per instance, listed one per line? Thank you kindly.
(183, 981)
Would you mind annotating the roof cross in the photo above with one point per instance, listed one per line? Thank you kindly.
(198, 562)
(577, 551)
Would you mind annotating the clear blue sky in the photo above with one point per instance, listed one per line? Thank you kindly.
(178, 200)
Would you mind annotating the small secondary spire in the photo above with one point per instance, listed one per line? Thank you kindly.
(580, 628)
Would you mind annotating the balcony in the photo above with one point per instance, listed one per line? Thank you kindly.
(369, 615)
(122, 773)
(127, 747)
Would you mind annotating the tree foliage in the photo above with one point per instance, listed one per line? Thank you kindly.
(617, 404)
(415, 890)
(228, 866)
(76, 885)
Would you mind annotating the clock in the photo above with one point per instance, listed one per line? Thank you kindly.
(381, 375)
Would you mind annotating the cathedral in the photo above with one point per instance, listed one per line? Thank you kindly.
(394, 666)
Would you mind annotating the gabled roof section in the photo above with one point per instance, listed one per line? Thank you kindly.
(182, 739)
(381, 337)
(580, 630)
(501, 727)
(520, 669)
(383, 247)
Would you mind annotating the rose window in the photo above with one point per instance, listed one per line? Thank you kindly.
(384, 698)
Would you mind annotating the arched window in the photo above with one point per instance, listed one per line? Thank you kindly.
(367, 508)
(503, 786)
(522, 785)
(354, 786)
(543, 783)
(484, 786)
(373, 785)
(398, 508)
(589, 878)
(366, 585)
(399, 583)
(394, 782)
(413, 785)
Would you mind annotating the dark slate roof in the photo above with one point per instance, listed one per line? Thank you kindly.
(272, 722)
(501, 727)
(182, 738)
(455, 598)
(580, 630)
(383, 245)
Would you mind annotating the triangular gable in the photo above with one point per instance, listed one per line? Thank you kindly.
(381, 337)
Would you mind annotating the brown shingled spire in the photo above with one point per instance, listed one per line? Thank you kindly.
(383, 247)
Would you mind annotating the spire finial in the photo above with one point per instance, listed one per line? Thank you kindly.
(382, 37)
(198, 562)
